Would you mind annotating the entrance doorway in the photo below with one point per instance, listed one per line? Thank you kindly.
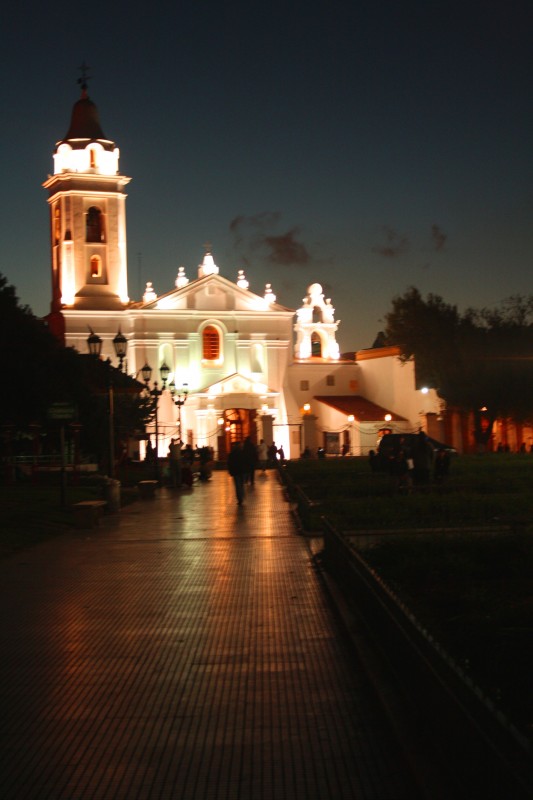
(238, 424)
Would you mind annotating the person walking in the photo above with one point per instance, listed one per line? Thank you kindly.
(250, 457)
(237, 469)
(262, 454)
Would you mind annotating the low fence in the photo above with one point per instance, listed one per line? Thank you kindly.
(489, 756)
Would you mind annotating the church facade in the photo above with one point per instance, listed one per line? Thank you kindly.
(246, 364)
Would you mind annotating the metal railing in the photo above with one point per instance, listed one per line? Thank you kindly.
(488, 754)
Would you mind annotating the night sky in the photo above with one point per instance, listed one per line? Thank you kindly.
(365, 146)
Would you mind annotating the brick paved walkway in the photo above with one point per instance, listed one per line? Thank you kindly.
(185, 649)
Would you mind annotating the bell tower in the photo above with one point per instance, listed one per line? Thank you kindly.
(87, 216)
(316, 327)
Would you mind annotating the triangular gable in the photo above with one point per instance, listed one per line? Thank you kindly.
(362, 409)
(238, 384)
(212, 293)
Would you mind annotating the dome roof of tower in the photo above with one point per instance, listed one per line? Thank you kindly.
(85, 122)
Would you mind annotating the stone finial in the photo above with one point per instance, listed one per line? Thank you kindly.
(149, 294)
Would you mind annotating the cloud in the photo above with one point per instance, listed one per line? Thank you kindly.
(256, 234)
(285, 250)
(396, 244)
(263, 221)
(438, 237)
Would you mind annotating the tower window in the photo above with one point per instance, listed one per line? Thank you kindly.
(316, 345)
(330, 380)
(92, 158)
(96, 267)
(94, 225)
(211, 343)
(57, 225)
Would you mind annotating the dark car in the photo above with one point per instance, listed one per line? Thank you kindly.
(390, 443)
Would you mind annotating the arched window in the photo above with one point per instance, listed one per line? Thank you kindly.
(317, 314)
(96, 267)
(92, 158)
(94, 229)
(211, 343)
(57, 225)
(316, 345)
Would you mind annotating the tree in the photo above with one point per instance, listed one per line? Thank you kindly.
(426, 330)
(38, 371)
(481, 362)
(30, 358)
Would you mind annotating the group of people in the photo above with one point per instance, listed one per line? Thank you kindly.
(181, 463)
(245, 458)
(413, 466)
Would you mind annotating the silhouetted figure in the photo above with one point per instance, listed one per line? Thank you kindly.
(237, 469)
(187, 461)
(422, 460)
(373, 460)
(150, 452)
(441, 468)
(272, 454)
(250, 459)
(262, 454)
(206, 457)
(400, 472)
(174, 455)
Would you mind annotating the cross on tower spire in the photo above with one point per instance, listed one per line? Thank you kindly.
(84, 69)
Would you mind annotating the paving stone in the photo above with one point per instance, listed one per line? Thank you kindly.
(185, 649)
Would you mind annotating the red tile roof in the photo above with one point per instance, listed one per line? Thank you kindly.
(361, 408)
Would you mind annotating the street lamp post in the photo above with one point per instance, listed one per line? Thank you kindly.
(120, 344)
(179, 396)
(156, 393)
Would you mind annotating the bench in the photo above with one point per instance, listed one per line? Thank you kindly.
(87, 513)
(147, 489)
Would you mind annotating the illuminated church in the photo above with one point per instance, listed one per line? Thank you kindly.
(250, 366)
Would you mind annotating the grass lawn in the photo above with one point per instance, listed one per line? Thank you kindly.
(481, 490)
(474, 591)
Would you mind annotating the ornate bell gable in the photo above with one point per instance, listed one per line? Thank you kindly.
(316, 327)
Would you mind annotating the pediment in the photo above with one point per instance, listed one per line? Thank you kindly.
(238, 384)
(212, 293)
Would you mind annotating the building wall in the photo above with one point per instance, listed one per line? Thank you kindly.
(390, 383)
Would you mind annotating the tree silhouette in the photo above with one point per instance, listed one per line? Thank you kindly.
(480, 362)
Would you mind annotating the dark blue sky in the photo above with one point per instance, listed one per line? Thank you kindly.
(365, 146)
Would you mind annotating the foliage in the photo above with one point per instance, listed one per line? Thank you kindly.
(482, 359)
(40, 372)
(31, 362)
